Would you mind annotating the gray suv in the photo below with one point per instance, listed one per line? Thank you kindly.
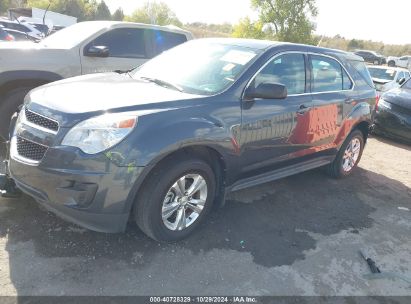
(162, 144)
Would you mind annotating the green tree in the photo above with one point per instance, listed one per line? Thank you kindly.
(289, 19)
(102, 12)
(248, 29)
(355, 44)
(155, 13)
(4, 6)
(118, 15)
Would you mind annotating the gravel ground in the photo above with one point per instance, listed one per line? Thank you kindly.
(297, 236)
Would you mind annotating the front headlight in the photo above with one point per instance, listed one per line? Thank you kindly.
(384, 104)
(100, 133)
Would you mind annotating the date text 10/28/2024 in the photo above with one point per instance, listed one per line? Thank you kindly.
(237, 299)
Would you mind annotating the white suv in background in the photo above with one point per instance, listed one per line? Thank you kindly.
(83, 48)
(402, 62)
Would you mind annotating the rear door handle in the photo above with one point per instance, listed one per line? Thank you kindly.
(303, 109)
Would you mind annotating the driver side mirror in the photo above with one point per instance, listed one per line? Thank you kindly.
(401, 81)
(97, 51)
(266, 91)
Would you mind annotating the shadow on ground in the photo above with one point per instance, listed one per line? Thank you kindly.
(271, 222)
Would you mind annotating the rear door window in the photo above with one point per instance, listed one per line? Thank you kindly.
(328, 75)
(163, 40)
(124, 42)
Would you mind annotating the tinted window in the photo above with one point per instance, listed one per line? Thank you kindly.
(123, 43)
(166, 40)
(287, 69)
(328, 75)
(15, 26)
(363, 71)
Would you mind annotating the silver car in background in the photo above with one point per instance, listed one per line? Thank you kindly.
(387, 78)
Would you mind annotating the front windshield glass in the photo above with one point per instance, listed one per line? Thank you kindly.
(385, 74)
(71, 36)
(198, 67)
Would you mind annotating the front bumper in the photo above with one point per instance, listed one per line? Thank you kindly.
(89, 190)
(392, 123)
(96, 201)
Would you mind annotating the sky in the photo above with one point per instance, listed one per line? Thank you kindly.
(378, 20)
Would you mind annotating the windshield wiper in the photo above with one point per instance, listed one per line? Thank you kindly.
(163, 83)
(124, 71)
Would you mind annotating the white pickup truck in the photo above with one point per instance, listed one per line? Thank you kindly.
(83, 48)
(401, 62)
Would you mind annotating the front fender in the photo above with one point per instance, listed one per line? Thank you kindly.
(158, 137)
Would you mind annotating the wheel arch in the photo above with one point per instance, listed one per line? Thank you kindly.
(212, 156)
(364, 127)
(10, 81)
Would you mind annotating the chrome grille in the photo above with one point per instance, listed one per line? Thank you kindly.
(41, 121)
(30, 150)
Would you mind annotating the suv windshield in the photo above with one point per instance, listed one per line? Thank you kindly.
(71, 36)
(385, 74)
(198, 67)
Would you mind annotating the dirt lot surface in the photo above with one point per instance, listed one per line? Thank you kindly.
(296, 236)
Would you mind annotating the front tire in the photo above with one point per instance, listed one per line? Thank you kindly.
(391, 63)
(8, 107)
(348, 157)
(175, 199)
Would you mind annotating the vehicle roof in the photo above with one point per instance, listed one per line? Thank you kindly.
(107, 24)
(268, 44)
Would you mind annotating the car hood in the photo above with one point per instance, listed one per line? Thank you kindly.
(400, 97)
(103, 92)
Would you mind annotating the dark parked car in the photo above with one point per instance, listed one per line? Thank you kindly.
(163, 143)
(372, 57)
(393, 113)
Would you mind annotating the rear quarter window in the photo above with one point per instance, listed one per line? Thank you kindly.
(362, 70)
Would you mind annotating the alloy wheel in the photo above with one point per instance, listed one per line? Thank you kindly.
(351, 154)
(184, 202)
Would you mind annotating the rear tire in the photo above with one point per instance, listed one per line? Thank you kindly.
(347, 159)
(10, 106)
(158, 196)
(391, 63)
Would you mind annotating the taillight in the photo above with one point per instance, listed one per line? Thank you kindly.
(9, 38)
(377, 100)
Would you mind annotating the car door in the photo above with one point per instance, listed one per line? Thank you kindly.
(333, 98)
(269, 132)
(128, 48)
